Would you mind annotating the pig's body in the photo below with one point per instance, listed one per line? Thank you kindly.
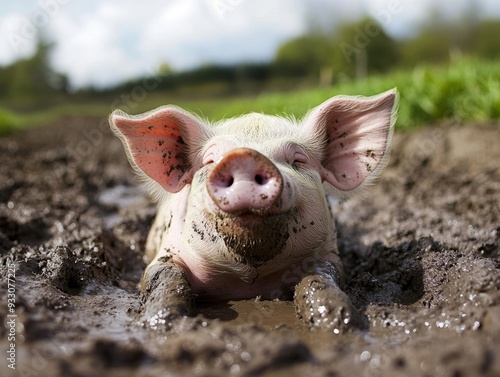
(243, 206)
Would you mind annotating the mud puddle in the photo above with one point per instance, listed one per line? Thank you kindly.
(420, 251)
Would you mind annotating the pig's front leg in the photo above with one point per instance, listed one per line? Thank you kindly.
(165, 294)
(319, 300)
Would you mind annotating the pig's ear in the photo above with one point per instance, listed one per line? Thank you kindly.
(355, 135)
(161, 144)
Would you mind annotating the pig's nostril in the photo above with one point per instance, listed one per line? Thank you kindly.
(224, 181)
(260, 179)
(230, 182)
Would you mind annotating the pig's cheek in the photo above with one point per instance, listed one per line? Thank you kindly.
(312, 221)
(287, 200)
(302, 191)
(291, 188)
(197, 206)
(200, 200)
(199, 232)
(312, 228)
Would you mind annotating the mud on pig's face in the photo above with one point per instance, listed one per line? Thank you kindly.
(254, 186)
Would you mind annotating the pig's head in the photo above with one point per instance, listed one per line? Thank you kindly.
(251, 191)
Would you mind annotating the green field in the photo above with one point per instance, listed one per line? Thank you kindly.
(467, 91)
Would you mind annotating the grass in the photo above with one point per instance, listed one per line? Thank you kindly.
(467, 91)
(9, 121)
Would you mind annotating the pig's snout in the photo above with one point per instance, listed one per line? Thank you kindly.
(244, 180)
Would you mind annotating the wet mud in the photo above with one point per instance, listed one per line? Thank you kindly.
(420, 250)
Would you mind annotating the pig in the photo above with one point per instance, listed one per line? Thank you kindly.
(243, 204)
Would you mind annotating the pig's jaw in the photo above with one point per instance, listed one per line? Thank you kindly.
(250, 249)
(249, 238)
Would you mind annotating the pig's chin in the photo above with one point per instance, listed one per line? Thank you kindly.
(252, 238)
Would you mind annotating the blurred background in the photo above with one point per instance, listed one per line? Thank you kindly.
(224, 57)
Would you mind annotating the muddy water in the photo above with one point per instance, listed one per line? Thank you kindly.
(420, 250)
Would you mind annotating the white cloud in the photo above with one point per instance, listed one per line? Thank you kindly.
(123, 39)
(185, 34)
(18, 38)
(104, 42)
(489, 8)
(97, 48)
(415, 13)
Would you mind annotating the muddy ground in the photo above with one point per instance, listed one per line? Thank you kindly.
(421, 252)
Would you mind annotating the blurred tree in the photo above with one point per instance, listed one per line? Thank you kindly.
(431, 45)
(353, 50)
(5, 79)
(304, 56)
(252, 72)
(164, 69)
(442, 40)
(32, 77)
(487, 41)
(365, 49)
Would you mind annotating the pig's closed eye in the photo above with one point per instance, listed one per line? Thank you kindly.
(299, 159)
(208, 159)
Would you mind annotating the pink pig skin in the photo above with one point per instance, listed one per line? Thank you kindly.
(243, 203)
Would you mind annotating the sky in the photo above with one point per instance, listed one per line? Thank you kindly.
(102, 43)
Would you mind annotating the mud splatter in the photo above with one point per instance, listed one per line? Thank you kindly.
(250, 238)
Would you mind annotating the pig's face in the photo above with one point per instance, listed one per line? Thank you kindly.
(252, 188)
(257, 199)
